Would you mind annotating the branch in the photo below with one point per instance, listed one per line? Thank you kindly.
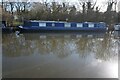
(94, 4)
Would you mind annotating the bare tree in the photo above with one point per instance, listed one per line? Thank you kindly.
(115, 5)
(2, 4)
(11, 4)
(25, 4)
(5, 5)
(110, 5)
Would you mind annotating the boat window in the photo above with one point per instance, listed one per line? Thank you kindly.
(42, 24)
(53, 24)
(79, 25)
(67, 25)
(91, 25)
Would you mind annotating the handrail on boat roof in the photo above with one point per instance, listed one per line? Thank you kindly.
(45, 21)
(62, 21)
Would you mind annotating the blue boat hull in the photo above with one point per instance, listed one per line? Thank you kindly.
(48, 29)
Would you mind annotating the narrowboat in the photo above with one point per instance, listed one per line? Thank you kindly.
(117, 27)
(61, 26)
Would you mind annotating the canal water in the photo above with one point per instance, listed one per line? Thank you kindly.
(60, 55)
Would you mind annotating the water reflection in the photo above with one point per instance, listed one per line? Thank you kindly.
(79, 49)
(117, 34)
(61, 45)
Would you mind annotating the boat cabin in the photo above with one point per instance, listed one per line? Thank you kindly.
(63, 24)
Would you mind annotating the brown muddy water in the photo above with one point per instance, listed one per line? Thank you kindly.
(62, 55)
